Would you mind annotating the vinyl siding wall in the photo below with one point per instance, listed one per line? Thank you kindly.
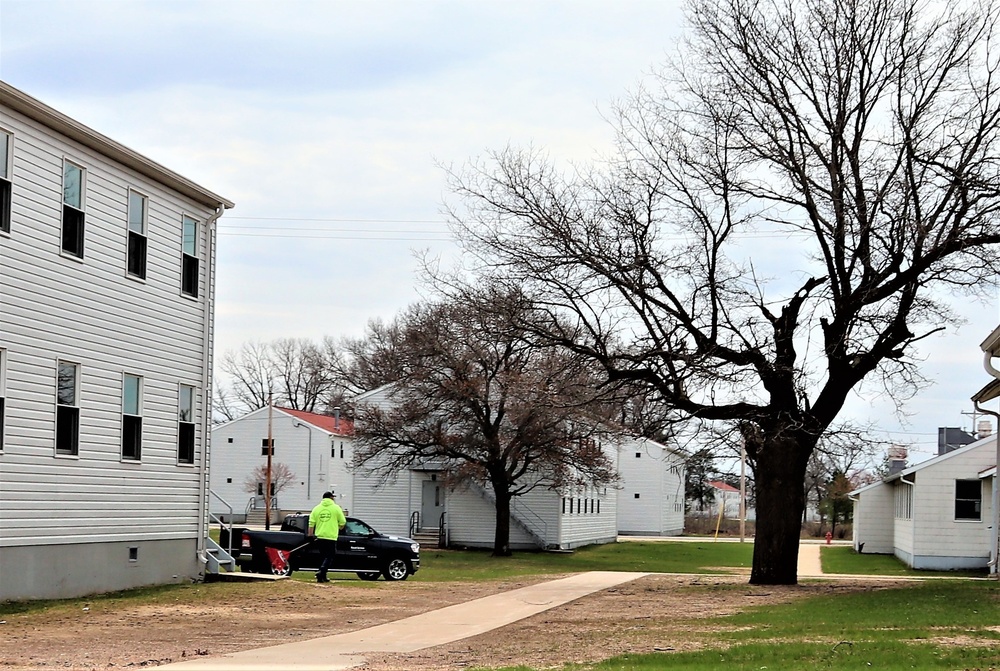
(873, 520)
(965, 543)
(54, 307)
(657, 477)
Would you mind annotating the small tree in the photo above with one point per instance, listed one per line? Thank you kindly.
(281, 477)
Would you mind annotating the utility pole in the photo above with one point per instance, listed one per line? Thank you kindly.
(270, 451)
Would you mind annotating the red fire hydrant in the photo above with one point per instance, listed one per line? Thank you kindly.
(829, 537)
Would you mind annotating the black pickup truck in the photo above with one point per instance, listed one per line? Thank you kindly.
(360, 549)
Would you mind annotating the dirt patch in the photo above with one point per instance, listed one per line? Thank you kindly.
(649, 614)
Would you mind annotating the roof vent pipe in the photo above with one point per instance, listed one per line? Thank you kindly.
(336, 418)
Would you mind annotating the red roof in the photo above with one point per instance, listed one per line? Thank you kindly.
(338, 427)
(718, 484)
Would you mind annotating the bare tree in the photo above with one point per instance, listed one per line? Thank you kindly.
(487, 405)
(373, 360)
(281, 477)
(863, 131)
(297, 373)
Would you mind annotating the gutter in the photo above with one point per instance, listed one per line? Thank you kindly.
(206, 374)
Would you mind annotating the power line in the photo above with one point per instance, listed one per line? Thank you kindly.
(334, 237)
(340, 220)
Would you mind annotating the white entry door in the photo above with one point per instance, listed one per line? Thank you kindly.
(431, 504)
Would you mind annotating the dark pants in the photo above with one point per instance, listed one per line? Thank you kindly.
(328, 550)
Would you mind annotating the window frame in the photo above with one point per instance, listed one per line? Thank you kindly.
(132, 421)
(6, 181)
(190, 260)
(186, 429)
(963, 501)
(70, 411)
(141, 237)
(77, 211)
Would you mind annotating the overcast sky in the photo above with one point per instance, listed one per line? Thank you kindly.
(326, 122)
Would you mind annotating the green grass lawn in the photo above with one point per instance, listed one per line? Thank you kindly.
(879, 629)
(843, 559)
(654, 557)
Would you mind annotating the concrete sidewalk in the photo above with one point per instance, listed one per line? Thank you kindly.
(436, 627)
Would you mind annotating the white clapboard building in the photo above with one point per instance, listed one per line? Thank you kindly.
(314, 450)
(647, 500)
(106, 284)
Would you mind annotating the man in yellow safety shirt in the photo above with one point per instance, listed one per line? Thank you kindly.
(325, 522)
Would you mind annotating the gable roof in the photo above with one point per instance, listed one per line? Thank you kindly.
(322, 422)
(723, 487)
(933, 461)
(333, 425)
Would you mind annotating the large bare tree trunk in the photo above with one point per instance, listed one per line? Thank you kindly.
(501, 537)
(780, 472)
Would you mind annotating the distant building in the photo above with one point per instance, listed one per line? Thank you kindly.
(316, 448)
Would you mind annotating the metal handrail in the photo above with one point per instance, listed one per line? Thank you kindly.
(521, 508)
(443, 531)
(414, 522)
(214, 518)
(252, 504)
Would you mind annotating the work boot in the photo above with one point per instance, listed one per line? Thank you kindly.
(321, 577)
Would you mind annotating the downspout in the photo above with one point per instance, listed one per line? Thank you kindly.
(206, 376)
(994, 563)
(309, 477)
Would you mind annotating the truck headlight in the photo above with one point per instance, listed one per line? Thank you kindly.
(415, 547)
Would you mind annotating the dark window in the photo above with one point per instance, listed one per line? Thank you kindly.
(67, 410)
(185, 425)
(263, 447)
(67, 430)
(131, 417)
(185, 443)
(638, 455)
(72, 232)
(131, 437)
(137, 255)
(73, 216)
(2, 409)
(137, 206)
(5, 192)
(6, 141)
(636, 496)
(189, 256)
(189, 276)
(968, 500)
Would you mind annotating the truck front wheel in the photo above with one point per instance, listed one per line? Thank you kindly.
(396, 569)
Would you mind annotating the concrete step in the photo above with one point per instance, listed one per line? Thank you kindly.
(240, 576)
